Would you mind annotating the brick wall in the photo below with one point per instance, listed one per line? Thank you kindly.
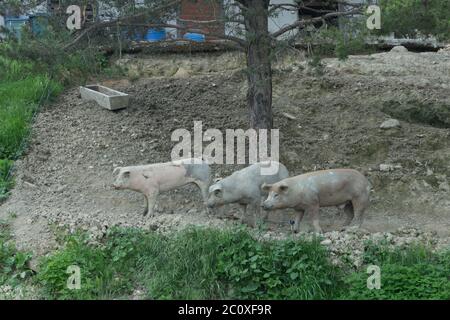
(202, 10)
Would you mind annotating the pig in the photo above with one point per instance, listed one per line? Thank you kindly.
(325, 188)
(152, 179)
(244, 187)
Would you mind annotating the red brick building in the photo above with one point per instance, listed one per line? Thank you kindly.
(202, 11)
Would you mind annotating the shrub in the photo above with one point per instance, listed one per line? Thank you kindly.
(410, 273)
(410, 17)
(5, 181)
(196, 263)
(289, 269)
(97, 277)
(13, 263)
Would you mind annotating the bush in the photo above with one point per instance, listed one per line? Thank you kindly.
(204, 263)
(13, 263)
(97, 274)
(410, 17)
(290, 269)
(197, 263)
(5, 182)
(410, 273)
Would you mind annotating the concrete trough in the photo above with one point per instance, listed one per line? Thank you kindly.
(104, 96)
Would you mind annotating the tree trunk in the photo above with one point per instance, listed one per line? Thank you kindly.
(259, 68)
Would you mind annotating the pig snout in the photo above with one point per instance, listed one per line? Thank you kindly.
(267, 205)
(211, 203)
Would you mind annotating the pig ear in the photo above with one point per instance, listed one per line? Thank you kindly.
(284, 188)
(266, 187)
(126, 174)
(117, 169)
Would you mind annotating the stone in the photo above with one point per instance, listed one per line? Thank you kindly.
(444, 186)
(181, 73)
(389, 124)
(399, 49)
(292, 156)
(326, 242)
(386, 167)
(289, 116)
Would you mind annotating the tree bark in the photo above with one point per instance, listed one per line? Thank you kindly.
(259, 67)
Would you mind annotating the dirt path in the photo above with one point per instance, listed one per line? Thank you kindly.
(64, 179)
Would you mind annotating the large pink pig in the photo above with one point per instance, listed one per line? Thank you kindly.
(308, 192)
(152, 179)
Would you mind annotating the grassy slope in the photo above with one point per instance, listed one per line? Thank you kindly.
(21, 92)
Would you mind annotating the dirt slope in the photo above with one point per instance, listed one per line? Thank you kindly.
(64, 179)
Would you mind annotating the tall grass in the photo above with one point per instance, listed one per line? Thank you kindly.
(19, 100)
(21, 92)
(206, 263)
(197, 263)
(414, 272)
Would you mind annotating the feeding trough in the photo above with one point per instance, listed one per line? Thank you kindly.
(106, 97)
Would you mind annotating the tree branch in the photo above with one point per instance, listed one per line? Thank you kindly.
(119, 20)
(304, 22)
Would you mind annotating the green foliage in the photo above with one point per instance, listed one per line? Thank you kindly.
(21, 91)
(204, 263)
(290, 269)
(197, 263)
(184, 265)
(98, 277)
(337, 42)
(408, 17)
(5, 183)
(13, 263)
(409, 273)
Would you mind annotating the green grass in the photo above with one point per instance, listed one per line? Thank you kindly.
(197, 263)
(13, 263)
(410, 273)
(206, 263)
(21, 92)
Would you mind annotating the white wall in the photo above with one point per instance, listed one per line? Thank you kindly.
(282, 19)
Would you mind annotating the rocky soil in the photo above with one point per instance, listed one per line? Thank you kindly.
(329, 116)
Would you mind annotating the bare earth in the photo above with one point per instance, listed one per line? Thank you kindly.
(64, 179)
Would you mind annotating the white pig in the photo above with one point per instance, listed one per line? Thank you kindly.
(244, 187)
(152, 179)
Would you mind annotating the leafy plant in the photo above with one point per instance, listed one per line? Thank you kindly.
(97, 277)
(408, 18)
(410, 273)
(290, 269)
(13, 263)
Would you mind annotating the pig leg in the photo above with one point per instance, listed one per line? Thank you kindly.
(146, 205)
(244, 218)
(314, 212)
(349, 214)
(203, 186)
(359, 206)
(150, 198)
(256, 209)
(298, 219)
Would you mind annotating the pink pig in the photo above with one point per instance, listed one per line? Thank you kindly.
(151, 179)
